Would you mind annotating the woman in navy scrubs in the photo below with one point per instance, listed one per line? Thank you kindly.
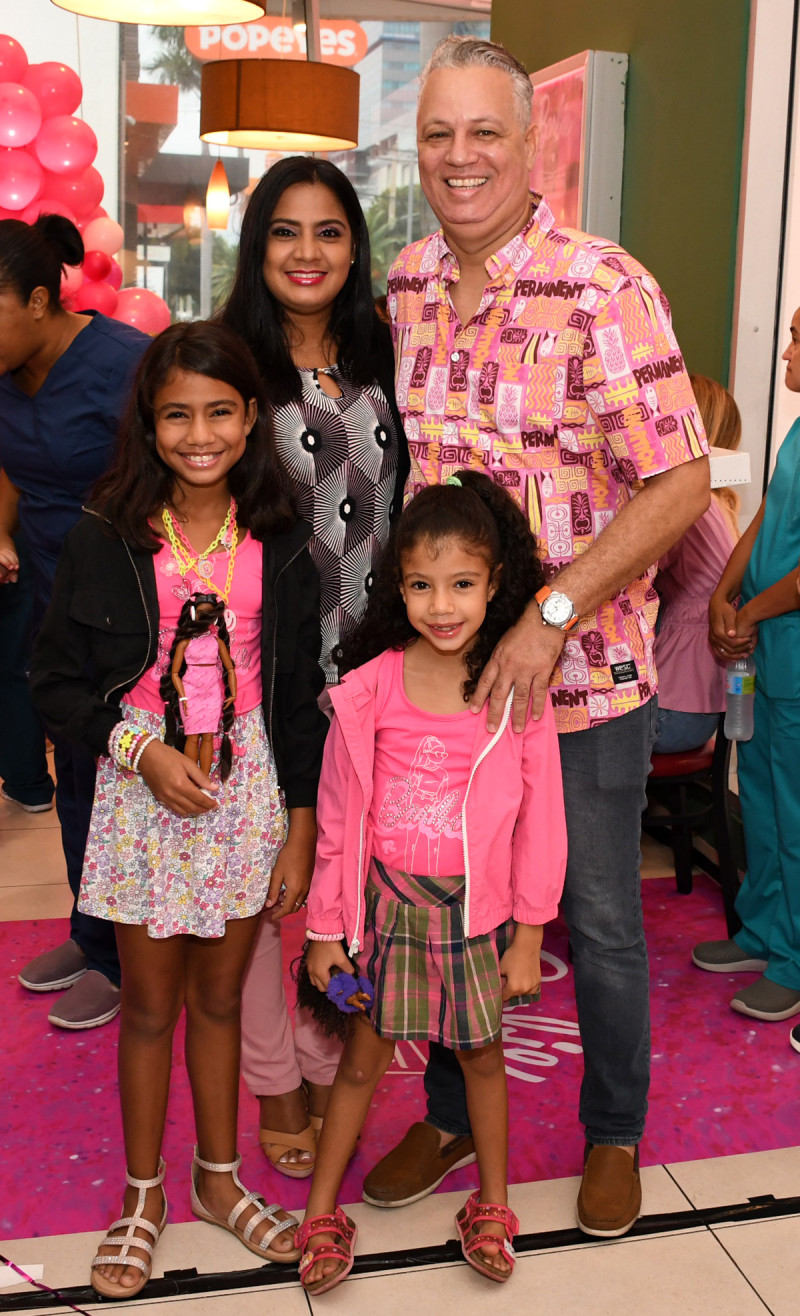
(64, 381)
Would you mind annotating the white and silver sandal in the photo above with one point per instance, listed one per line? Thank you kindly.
(263, 1247)
(109, 1288)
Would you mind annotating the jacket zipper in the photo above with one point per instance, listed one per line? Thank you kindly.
(354, 944)
(479, 760)
(143, 668)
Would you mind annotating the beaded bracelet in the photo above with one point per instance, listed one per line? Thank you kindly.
(127, 743)
(142, 746)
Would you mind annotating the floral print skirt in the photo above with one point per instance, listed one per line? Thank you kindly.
(147, 866)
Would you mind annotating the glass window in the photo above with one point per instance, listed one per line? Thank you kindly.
(166, 167)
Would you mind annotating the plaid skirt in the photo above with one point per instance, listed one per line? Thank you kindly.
(431, 982)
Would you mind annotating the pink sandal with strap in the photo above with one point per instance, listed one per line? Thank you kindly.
(342, 1227)
(475, 1212)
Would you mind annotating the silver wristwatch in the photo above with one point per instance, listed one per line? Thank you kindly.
(557, 609)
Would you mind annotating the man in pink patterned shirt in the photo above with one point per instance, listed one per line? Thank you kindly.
(547, 357)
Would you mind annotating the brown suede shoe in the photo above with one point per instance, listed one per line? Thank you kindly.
(610, 1197)
(92, 1001)
(54, 970)
(415, 1167)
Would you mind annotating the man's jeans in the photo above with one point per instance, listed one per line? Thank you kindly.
(605, 770)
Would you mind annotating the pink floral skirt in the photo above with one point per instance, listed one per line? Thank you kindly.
(147, 866)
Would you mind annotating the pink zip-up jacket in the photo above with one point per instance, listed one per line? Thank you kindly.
(514, 833)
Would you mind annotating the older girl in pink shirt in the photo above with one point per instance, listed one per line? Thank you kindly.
(442, 846)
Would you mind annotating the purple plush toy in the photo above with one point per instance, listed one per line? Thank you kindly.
(349, 994)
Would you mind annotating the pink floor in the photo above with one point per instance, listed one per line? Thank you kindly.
(721, 1084)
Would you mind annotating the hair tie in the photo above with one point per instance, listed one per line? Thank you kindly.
(453, 479)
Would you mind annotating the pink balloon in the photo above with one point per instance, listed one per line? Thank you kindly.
(21, 179)
(81, 192)
(97, 213)
(20, 116)
(71, 280)
(96, 265)
(114, 276)
(65, 145)
(46, 206)
(95, 296)
(143, 309)
(57, 87)
(13, 60)
(103, 234)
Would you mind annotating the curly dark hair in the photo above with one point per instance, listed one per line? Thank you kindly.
(188, 627)
(484, 518)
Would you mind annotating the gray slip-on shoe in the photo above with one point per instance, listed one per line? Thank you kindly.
(54, 970)
(764, 999)
(92, 1001)
(726, 957)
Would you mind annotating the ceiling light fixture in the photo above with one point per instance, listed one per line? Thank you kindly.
(218, 198)
(159, 13)
(279, 105)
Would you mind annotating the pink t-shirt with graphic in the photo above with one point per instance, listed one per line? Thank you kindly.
(421, 770)
(242, 615)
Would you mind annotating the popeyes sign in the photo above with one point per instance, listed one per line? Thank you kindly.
(340, 42)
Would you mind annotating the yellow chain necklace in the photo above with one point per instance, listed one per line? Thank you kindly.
(187, 560)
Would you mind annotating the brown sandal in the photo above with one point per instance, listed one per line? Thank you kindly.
(275, 1144)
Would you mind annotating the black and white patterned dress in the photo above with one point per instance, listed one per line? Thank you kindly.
(342, 456)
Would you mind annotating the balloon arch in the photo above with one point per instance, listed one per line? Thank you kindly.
(46, 168)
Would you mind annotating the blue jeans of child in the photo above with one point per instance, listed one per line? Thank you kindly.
(605, 770)
(678, 732)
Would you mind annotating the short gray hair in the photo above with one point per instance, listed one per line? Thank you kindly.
(471, 52)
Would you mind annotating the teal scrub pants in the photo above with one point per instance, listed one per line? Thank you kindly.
(769, 789)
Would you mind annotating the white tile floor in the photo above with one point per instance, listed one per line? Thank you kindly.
(728, 1270)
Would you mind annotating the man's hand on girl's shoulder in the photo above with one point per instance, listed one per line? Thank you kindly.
(524, 658)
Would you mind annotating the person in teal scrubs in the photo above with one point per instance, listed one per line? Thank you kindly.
(763, 569)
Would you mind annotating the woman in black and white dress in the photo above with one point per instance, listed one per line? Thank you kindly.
(302, 300)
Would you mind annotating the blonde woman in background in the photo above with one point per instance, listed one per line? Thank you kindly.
(691, 680)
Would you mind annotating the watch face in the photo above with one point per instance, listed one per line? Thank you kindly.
(557, 610)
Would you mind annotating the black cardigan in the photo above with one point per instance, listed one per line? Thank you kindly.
(100, 634)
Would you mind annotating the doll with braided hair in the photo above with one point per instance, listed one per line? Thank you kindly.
(199, 685)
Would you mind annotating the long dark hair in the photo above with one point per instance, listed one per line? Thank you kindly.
(484, 518)
(190, 625)
(33, 255)
(138, 482)
(362, 340)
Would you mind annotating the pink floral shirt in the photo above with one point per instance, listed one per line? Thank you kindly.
(567, 387)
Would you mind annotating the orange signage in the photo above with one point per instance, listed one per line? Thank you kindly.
(271, 38)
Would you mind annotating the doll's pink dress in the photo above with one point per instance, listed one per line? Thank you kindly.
(202, 685)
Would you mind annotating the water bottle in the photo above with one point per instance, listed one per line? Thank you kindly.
(741, 688)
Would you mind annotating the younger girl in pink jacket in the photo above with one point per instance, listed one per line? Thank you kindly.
(441, 847)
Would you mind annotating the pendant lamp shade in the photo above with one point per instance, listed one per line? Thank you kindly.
(279, 105)
(218, 198)
(159, 13)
